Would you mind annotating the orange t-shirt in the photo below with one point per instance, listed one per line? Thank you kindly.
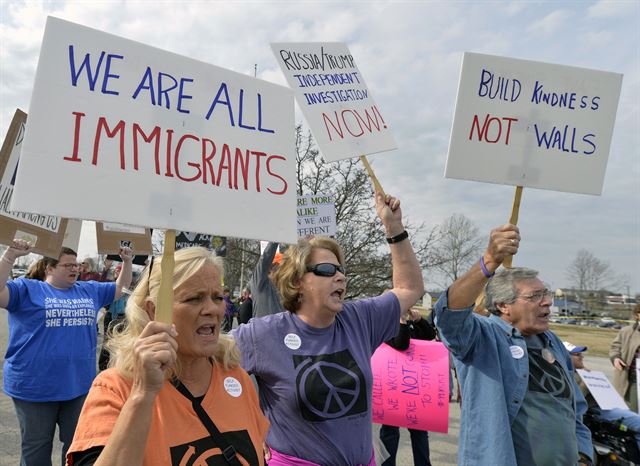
(177, 436)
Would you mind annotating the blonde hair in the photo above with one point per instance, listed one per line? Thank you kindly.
(188, 261)
(294, 265)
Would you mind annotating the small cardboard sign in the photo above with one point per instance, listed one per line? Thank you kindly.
(316, 216)
(164, 140)
(603, 392)
(533, 124)
(187, 239)
(113, 236)
(334, 99)
(411, 388)
(45, 232)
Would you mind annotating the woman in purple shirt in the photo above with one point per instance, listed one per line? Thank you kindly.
(312, 361)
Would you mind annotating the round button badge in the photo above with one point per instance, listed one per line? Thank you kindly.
(516, 352)
(292, 341)
(233, 387)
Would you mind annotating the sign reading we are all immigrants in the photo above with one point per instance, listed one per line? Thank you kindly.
(171, 142)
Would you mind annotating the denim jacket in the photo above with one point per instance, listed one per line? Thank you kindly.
(494, 383)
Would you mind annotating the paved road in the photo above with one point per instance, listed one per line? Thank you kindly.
(443, 446)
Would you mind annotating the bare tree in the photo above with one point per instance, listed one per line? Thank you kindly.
(457, 247)
(587, 272)
(359, 231)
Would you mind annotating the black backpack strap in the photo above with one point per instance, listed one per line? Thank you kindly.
(228, 450)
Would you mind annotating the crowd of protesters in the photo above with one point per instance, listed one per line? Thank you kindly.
(180, 392)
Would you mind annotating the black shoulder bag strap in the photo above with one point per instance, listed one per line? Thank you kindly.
(228, 450)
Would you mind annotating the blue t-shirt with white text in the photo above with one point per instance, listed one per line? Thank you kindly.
(51, 355)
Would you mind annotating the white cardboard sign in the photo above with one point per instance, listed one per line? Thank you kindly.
(316, 215)
(155, 139)
(603, 392)
(334, 99)
(526, 123)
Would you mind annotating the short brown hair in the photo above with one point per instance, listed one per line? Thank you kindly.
(294, 265)
(51, 262)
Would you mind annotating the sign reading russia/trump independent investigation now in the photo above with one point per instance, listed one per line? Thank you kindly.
(334, 99)
(155, 139)
(527, 123)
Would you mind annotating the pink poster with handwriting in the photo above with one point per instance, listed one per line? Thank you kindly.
(411, 388)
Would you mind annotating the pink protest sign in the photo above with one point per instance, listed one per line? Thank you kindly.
(411, 388)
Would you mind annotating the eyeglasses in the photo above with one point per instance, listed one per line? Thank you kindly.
(326, 269)
(538, 296)
(69, 266)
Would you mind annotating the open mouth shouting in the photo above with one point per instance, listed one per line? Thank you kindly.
(207, 332)
(339, 293)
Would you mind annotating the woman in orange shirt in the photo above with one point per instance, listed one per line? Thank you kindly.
(175, 393)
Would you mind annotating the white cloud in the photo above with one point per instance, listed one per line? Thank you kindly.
(613, 8)
(550, 24)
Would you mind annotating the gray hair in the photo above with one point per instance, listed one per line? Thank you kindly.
(501, 289)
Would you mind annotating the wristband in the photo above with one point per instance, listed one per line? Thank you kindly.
(485, 272)
(396, 239)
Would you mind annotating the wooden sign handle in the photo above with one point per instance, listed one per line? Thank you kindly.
(515, 210)
(164, 305)
(374, 180)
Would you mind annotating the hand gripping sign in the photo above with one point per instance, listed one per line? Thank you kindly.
(176, 143)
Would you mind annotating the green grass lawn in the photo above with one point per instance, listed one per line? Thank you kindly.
(598, 340)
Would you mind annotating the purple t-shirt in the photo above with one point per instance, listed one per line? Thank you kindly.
(315, 384)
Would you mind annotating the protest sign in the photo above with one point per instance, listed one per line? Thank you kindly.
(603, 392)
(156, 139)
(316, 215)
(334, 99)
(186, 239)
(113, 236)
(45, 232)
(72, 234)
(411, 388)
(526, 123)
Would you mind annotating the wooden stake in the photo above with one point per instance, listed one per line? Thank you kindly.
(374, 180)
(164, 305)
(515, 210)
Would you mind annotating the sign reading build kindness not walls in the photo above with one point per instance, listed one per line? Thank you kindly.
(122, 132)
(533, 124)
(334, 99)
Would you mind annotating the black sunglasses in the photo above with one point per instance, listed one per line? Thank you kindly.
(326, 269)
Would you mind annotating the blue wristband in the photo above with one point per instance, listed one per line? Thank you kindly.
(483, 267)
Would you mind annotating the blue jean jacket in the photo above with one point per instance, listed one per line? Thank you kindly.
(494, 383)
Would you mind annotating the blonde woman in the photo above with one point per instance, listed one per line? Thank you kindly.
(169, 383)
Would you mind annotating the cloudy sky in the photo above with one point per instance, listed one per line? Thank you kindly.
(410, 55)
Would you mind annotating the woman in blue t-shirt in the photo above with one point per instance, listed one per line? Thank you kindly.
(51, 358)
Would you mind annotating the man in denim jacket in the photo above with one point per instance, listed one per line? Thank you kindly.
(520, 403)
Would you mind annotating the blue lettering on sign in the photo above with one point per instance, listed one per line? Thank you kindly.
(165, 84)
(493, 86)
(92, 74)
(558, 138)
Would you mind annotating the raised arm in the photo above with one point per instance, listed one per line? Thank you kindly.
(408, 285)
(503, 241)
(17, 249)
(124, 279)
